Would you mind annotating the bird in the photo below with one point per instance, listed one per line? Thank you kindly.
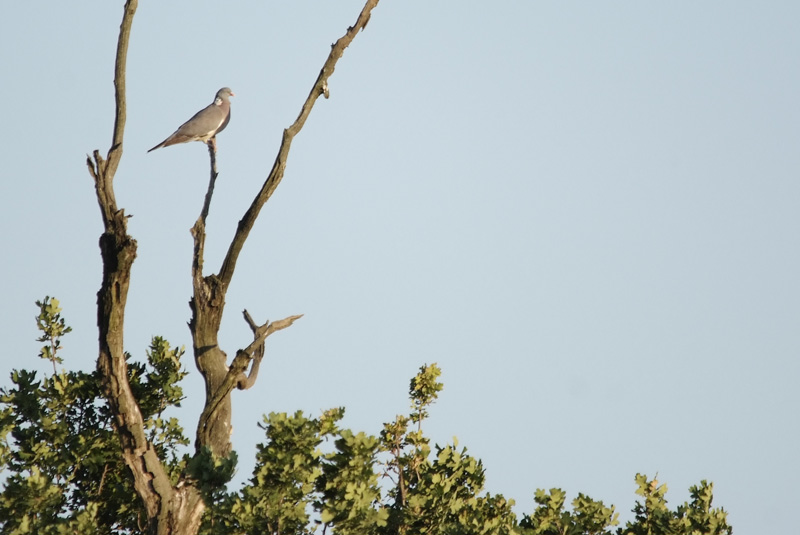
(205, 124)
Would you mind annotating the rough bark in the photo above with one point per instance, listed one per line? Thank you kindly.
(178, 509)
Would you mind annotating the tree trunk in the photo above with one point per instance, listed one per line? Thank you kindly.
(208, 303)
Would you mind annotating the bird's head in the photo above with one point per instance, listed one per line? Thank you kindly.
(223, 95)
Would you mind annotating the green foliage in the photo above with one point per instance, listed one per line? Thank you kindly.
(281, 491)
(297, 487)
(348, 487)
(156, 387)
(653, 517)
(58, 451)
(53, 328)
(59, 454)
(294, 478)
(212, 472)
(589, 517)
(164, 372)
(443, 498)
(697, 516)
(62, 471)
(424, 390)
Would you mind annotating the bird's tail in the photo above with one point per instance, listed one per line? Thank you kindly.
(158, 146)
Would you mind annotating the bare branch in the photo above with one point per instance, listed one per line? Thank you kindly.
(212, 154)
(251, 322)
(244, 382)
(275, 176)
(243, 356)
(199, 228)
(120, 66)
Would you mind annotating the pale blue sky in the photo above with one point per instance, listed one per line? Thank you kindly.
(586, 213)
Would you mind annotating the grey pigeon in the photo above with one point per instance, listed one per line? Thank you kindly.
(205, 124)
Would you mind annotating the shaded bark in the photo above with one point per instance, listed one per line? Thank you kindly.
(178, 509)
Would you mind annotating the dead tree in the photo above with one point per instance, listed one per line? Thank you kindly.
(178, 509)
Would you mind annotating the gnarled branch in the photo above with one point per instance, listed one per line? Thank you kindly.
(260, 333)
(235, 377)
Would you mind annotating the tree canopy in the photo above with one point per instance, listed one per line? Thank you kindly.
(64, 473)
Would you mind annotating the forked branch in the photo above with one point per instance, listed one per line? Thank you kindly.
(236, 377)
(260, 332)
(208, 301)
